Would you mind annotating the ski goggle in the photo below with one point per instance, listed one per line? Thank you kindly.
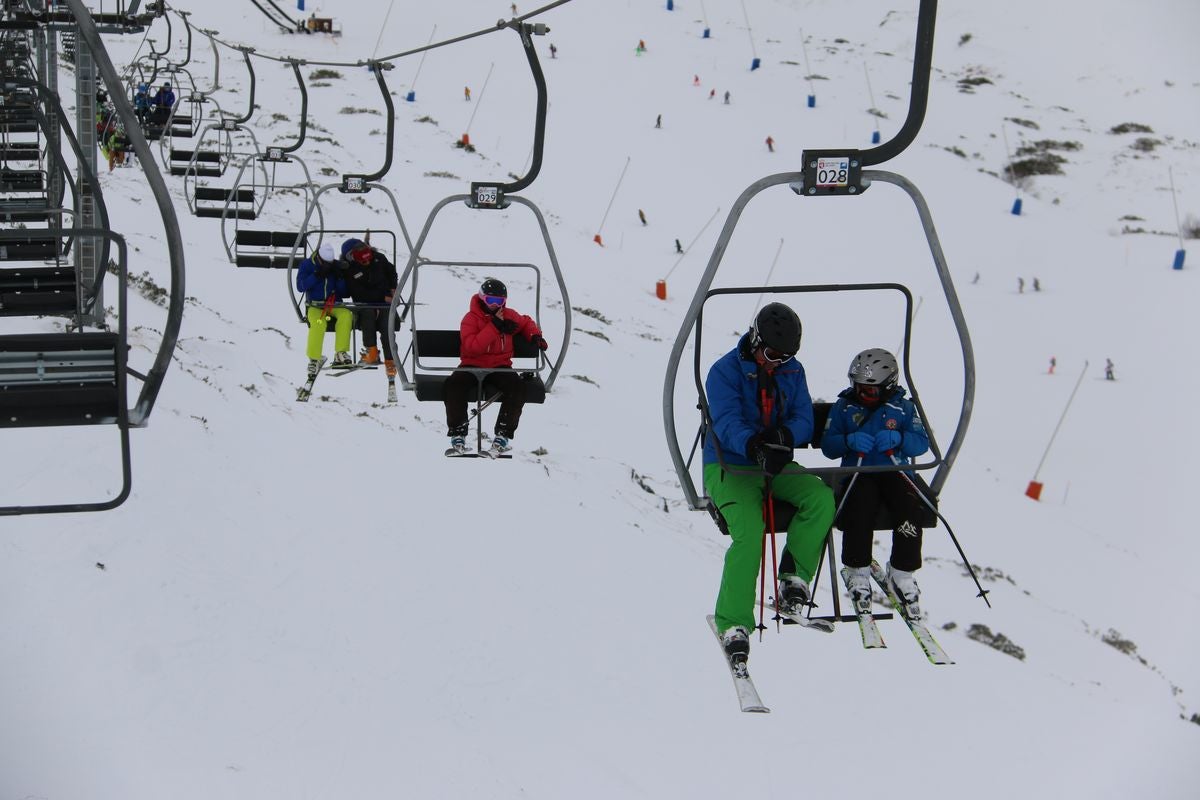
(494, 300)
(867, 392)
(362, 255)
(775, 356)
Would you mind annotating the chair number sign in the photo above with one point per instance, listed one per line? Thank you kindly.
(833, 172)
(486, 195)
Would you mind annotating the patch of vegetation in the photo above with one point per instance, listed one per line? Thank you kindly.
(276, 117)
(585, 379)
(955, 150)
(461, 145)
(815, 77)
(1133, 218)
(324, 75)
(441, 174)
(1042, 145)
(1144, 144)
(428, 119)
(1024, 123)
(966, 37)
(353, 110)
(996, 641)
(144, 285)
(1118, 642)
(1191, 227)
(967, 85)
(1036, 158)
(1045, 164)
(328, 171)
(1130, 127)
(640, 480)
(593, 313)
(875, 112)
(326, 139)
(597, 334)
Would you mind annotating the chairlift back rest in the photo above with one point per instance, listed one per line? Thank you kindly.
(59, 379)
(31, 248)
(446, 344)
(22, 180)
(221, 195)
(276, 239)
(29, 291)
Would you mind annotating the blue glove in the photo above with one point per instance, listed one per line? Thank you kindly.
(887, 440)
(860, 442)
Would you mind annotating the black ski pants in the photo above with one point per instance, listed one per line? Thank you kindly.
(857, 520)
(373, 324)
(461, 385)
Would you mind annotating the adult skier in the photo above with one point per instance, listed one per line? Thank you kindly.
(760, 409)
(486, 342)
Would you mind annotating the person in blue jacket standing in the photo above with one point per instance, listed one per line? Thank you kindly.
(322, 279)
(873, 423)
(760, 409)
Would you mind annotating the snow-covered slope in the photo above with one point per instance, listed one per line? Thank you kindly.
(309, 601)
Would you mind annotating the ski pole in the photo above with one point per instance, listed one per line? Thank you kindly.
(982, 592)
(770, 514)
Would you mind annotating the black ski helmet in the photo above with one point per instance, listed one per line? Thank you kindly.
(493, 287)
(874, 367)
(778, 327)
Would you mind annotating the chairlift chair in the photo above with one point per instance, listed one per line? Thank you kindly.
(354, 185)
(428, 378)
(826, 173)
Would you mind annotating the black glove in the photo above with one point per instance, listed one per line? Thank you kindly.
(504, 325)
(322, 268)
(771, 450)
(539, 343)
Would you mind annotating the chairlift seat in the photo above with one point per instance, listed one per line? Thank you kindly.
(34, 246)
(233, 213)
(784, 511)
(59, 379)
(22, 180)
(26, 209)
(280, 241)
(38, 290)
(445, 344)
(20, 151)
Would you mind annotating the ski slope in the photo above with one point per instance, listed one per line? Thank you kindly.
(309, 601)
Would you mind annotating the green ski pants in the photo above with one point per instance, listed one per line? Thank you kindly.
(740, 496)
(318, 322)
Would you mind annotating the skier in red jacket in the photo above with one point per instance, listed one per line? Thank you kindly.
(486, 342)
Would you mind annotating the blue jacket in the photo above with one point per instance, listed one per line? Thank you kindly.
(732, 389)
(164, 98)
(316, 289)
(896, 412)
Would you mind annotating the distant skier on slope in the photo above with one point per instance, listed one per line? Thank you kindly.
(761, 409)
(871, 422)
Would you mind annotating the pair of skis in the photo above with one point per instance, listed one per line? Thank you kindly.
(305, 391)
(748, 697)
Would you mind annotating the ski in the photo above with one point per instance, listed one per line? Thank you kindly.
(306, 390)
(346, 370)
(871, 637)
(391, 390)
(933, 650)
(816, 624)
(747, 695)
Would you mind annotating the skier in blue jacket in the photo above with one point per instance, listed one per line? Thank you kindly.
(871, 424)
(321, 277)
(760, 409)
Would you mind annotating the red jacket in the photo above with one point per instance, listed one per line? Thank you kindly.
(481, 342)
